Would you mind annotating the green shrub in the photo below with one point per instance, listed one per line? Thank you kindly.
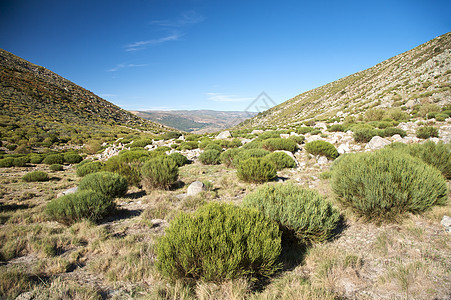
(436, 155)
(107, 183)
(248, 153)
(53, 159)
(315, 131)
(374, 114)
(427, 132)
(280, 160)
(322, 148)
(304, 130)
(256, 170)
(219, 242)
(179, 159)
(298, 139)
(171, 135)
(213, 146)
(36, 158)
(363, 135)
(72, 158)
(134, 155)
(301, 212)
(391, 131)
(268, 135)
(190, 145)
(337, 127)
(20, 161)
(35, 176)
(210, 157)
(88, 204)
(228, 156)
(383, 185)
(88, 168)
(129, 170)
(255, 144)
(160, 172)
(7, 162)
(56, 167)
(141, 143)
(273, 144)
(441, 117)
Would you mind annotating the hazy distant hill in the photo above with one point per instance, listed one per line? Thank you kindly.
(32, 93)
(196, 121)
(415, 77)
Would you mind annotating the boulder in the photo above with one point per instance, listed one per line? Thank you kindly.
(224, 135)
(195, 188)
(68, 191)
(343, 148)
(377, 143)
(446, 222)
(256, 132)
(322, 160)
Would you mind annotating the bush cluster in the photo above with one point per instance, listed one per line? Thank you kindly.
(56, 167)
(72, 158)
(160, 172)
(383, 185)
(210, 157)
(88, 167)
(35, 176)
(426, 132)
(300, 212)
(322, 148)
(179, 159)
(273, 144)
(219, 242)
(107, 183)
(53, 159)
(88, 204)
(280, 160)
(256, 170)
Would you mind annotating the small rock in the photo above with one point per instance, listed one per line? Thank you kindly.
(68, 191)
(224, 135)
(343, 148)
(256, 131)
(446, 222)
(434, 139)
(322, 160)
(195, 188)
(284, 136)
(377, 142)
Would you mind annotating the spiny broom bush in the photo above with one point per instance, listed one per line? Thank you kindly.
(160, 172)
(436, 155)
(6, 162)
(56, 167)
(426, 132)
(53, 159)
(280, 160)
(382, 186)
(88, 204)
(219, 242)
(228, 156)
(301, 212)
(210, 157)
(179, 159)
(88, 168)
(273, 144)
(107, 183)
(256, 170)
(35, 176)
(322, 148)
(72, 158)
(248, 153)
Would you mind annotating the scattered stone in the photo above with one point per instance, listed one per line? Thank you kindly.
(195, 188)
(284, 136)
(434, 139)
(446, 222)
(68, 191)
(245, 141)
(224, 135)
(322, 160)
(321, 125)
(343, 148)
(377, 143)
(257, 132)
(313, 138)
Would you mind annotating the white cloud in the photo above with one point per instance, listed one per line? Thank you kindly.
(123, 66)
(187, 18)
(218, 97)
(140, 45)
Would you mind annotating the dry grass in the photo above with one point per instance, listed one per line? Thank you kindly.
(116, 258)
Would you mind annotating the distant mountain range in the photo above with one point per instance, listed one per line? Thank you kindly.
(418, 76)
(35, 95)
(196, 121)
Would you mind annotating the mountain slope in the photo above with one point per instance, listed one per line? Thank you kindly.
(417, 76)
(32, 92)
(196, 121)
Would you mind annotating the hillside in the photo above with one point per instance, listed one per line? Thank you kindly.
(196, 121)
(36, 94)
(421, 75)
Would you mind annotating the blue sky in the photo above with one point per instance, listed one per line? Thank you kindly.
(199, 54)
